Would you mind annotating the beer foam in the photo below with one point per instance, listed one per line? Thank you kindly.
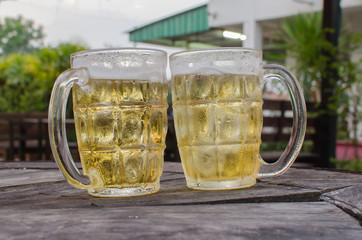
(127, 63)
(217, 61)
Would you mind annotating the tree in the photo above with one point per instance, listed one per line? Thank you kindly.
(21, 83)
(55, 61)
(26, 79)
(19, 35)
(303, 40)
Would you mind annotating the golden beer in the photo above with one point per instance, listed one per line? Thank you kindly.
(218, 121)
(121, 129)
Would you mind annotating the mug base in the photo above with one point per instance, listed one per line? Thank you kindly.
(125, 192)
(221, 185)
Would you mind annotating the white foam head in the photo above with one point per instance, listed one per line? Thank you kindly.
(123, 63)
(217, 61)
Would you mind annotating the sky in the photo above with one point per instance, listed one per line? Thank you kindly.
(98, 23)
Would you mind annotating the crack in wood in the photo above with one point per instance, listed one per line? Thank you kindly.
(303, 186)
(298, 197)
(26, 186)
(348, 199)
(346, 207)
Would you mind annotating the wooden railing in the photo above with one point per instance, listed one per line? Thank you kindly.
(277, 123)
(24, 137)
(21, 135)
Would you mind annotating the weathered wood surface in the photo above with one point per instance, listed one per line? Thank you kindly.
(37, 203)
(316, 220)
(348, 199)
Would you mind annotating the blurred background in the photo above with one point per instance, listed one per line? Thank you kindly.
(320, 41)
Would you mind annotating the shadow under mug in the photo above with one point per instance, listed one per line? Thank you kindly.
(217, 104)
(120, 114)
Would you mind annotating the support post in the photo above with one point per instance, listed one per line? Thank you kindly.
(327, 121)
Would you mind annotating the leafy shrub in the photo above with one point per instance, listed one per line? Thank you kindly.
(351, 165)
(26, 79)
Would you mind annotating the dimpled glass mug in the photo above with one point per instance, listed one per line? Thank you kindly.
(217, 104)
(120, 114)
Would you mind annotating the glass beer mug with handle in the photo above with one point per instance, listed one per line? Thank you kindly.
(217, 104)
(120, 115)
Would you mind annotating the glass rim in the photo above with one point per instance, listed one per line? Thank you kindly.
(214, 50)
(101, 51)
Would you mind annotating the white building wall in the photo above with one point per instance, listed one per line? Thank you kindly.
(227, 12)
(250, 12)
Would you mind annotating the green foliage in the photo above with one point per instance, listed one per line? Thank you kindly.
(27, 70)
(19, 35)
(19, 77)
(280, 146)
(302, 39)
(351, 165)
(26, 79)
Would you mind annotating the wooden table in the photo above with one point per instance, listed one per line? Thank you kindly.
(37, 203)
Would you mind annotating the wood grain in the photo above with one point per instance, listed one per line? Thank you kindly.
(173, 192)
(316, 220)
(348, 199)
(37, 203)
(322, 179)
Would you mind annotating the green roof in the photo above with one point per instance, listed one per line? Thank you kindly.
(189, 30)
(191, 21)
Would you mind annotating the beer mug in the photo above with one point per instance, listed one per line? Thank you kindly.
(217, 105)
(120, 115)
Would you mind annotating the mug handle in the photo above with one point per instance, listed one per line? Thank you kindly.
(299, 121)
(56, 126)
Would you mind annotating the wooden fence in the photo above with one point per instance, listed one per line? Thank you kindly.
(24, 137)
